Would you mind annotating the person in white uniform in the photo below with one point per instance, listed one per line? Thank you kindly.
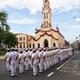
(34, 58)
(41, 59)
(12, 62)
(7, 56)
(26, 60)
(21, 62)
(30, 54)
(45, 57)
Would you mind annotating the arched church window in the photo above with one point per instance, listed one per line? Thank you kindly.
(46, 43)
(30, 45)
(44, 16)
(54, 45)
(44, 23)
(38, 45)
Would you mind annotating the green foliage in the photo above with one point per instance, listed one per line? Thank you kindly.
(2, 51)
(1, 36)
(6, 38)
(10, 39)
(3, 21)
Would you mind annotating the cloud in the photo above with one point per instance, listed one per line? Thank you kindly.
(77, 19)
(22, 21)
(34, 6)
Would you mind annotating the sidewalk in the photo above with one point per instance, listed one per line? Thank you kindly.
(2, 57)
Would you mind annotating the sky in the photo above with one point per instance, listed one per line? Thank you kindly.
(25, 15)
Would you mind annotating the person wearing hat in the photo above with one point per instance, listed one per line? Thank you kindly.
(21, 62)
(34, 58)
(7, 56)
(41, 59)
(26, 60)
(13, 62)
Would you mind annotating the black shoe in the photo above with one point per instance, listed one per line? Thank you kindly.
(12, 76)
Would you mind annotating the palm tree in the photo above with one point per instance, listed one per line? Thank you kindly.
(3, 21)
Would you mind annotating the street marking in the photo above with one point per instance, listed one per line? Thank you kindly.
(67, 61)
(60, 67)
(50, 74)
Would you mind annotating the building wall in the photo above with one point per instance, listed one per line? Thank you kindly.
(61, 41)
(22, 40)
(41, 41)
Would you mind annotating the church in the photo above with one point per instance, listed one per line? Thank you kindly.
(44, 37)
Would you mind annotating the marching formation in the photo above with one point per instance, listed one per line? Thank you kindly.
(36, 59)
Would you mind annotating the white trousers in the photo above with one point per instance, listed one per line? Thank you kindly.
(35, 68)
(13, 69)
(26, 63)
(41, 67)
(21, 67)
(7, 66)
(30, 63)
(45, 65)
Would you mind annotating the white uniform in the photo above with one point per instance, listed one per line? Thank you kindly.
(7, 57)
(17, 65)
(45, 64)
(41, 59)
(50, 58)
(13, 57)
(47, 59)
(35, 63)
(21, 62)
(30, 62)
(26, 62)
(70, 51)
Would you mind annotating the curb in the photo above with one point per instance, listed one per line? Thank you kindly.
(2, 57)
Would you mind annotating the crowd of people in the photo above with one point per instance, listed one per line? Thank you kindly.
(38, 60)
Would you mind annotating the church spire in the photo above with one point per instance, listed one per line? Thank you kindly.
(46, 14)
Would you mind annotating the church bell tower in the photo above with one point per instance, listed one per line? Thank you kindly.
(46, 15)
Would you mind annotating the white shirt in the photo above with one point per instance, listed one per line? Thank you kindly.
(13, 56)
(7, 56)
(21, 56)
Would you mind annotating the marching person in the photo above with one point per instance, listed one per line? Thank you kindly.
(35, 62)
(7, 56)
(21, 62)
(30, 54)
(45, 55)
(26, 60)
(41, 59)
(13, 62)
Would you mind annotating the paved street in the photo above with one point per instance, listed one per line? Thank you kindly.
(67, 70)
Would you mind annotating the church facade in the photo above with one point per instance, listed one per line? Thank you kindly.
(46, 36)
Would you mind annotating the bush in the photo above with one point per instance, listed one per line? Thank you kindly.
(2, 51)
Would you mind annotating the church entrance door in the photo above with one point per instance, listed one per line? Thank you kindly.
(45, 43)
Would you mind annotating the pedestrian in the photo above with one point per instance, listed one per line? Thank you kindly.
(41, 59)
(12, 62)
(26, 60)
(7, 56)
(21, 62)
(34, 58)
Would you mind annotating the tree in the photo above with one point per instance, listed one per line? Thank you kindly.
(3, 21)
(1, 37)
(10, 39)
